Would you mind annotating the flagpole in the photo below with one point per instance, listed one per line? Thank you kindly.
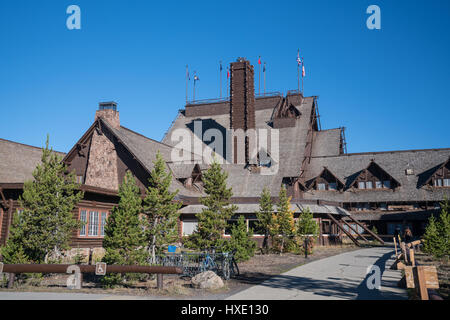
(259, 85)
(195, 73)
(298, 70)
(228, 81)
(220, 79)
(187, 75)
(264, 71)
(303, 66)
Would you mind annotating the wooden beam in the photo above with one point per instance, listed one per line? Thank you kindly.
(366, 229)
(345, 231)
(356, 231)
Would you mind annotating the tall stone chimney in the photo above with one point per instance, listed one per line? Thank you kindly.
(108, 111)
(242, 95)
(102, 166)
(242, 102)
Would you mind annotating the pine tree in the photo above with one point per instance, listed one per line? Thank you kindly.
(265, 217)
(306, 225)
(437, 234)
(47, 222)
(444, 229)
(431, 237)
(13, 252)
(125, 241)
(307, 230)
(161, 209)
(241, 241)
(212, 220)
(284, 220)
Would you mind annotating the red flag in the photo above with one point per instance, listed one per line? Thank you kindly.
(228, 72)
(259, 60)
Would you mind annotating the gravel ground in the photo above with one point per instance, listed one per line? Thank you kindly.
(252, 272)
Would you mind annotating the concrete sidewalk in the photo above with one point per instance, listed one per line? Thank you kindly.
(341, 277)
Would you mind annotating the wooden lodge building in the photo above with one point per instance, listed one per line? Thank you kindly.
(347, 192)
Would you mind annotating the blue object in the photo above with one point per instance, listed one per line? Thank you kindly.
(172, 248)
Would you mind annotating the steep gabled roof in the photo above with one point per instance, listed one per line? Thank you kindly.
(376, 166)
(429, 173)
(326, 173)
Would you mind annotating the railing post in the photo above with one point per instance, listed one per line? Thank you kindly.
(159, 280)
(11, 280)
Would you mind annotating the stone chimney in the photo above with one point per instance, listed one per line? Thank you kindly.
(242, 104)
(242, 95)
(108, 111)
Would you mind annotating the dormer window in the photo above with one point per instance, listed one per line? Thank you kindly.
(374, 177)
(326, 180)
(440, 178)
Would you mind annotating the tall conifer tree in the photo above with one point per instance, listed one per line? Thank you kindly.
(125, 241)
(161, 209)
(265, 217)
(46, 224)
(284, 219)
(212, 220)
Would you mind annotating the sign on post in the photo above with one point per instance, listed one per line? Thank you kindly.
(100, 269)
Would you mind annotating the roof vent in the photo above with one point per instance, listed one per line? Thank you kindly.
(409, 171)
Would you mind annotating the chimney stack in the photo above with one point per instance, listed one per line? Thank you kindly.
(242, 95)
(108, 111)
(242, 103)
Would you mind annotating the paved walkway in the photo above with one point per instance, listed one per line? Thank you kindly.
(343, 276)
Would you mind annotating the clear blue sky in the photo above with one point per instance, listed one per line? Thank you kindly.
(389, 87)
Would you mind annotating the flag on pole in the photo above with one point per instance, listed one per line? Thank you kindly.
(228, 72)
(303, 68)
(220, 65)
(298, 57)
(259, 60)
(264, 67)
(196, 78)
(187, 73)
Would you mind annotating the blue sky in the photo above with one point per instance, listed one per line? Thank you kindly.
(389, 88)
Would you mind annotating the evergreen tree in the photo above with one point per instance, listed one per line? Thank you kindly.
(125, 241)
(306, 225)
(265, 217)
(161, 209)
(241, 241)
(437, 235)
(307, 230)
(13, 252)
(47, 222)
(212, 220)
(444, 229)
(284, 220)
(431, 237)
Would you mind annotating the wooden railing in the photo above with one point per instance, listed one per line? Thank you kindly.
(422, 278)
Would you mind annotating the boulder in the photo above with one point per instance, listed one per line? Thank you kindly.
(207, 280)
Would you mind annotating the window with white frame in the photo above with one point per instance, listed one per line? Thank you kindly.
(93, 222)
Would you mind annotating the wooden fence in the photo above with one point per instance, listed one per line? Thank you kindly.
(77, 271)
(424, 279)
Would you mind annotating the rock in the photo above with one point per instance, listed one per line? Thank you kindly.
(207, 280)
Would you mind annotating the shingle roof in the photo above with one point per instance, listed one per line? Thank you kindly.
(17, 161)
(347, 166)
